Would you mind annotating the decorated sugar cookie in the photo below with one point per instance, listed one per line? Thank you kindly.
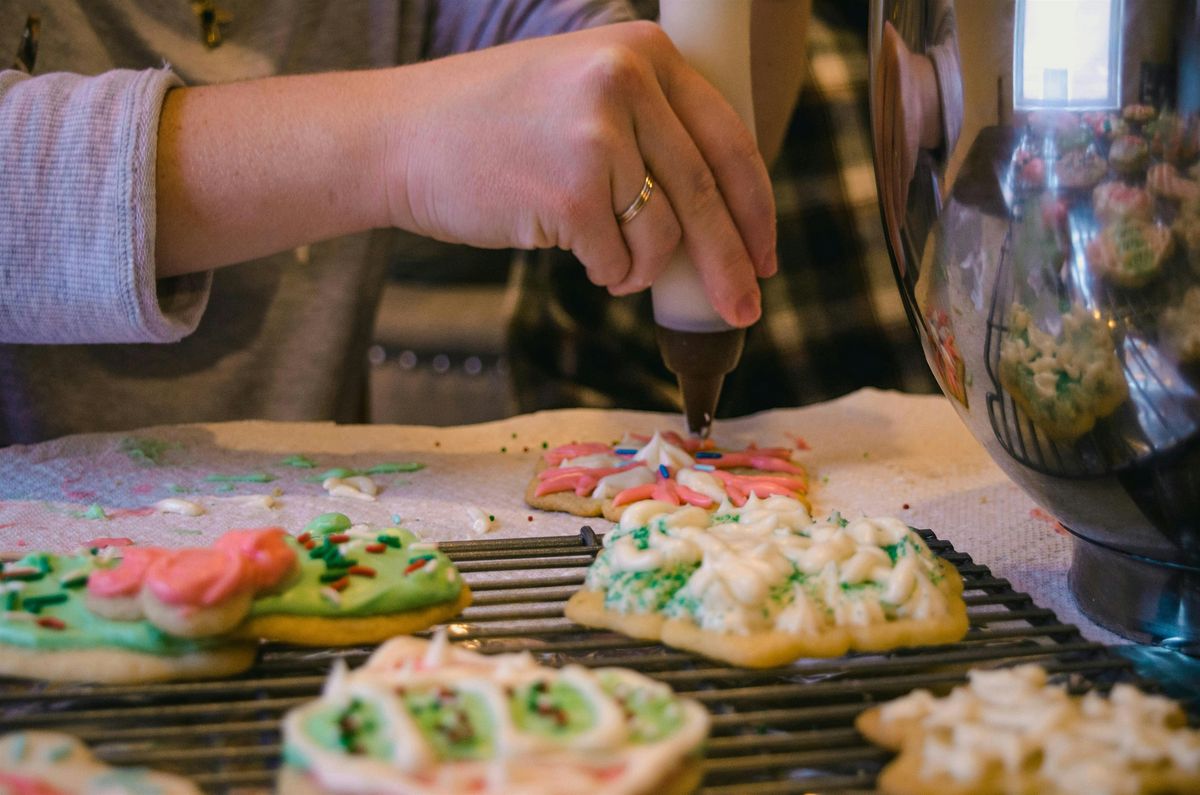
(50, 631)
(762, 585)
(598, 479)
(354, 584)
(426, 717)
(1009, 730)
(50, 763)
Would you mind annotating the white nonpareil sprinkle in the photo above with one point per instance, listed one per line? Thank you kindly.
(181, 507)
(359, 486)
(265, 501)
(480, 522)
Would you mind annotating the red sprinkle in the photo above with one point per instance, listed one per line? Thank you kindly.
(340, 585)
(905, 506)
(375, 549)
(310, 544)
(337, 538)
(304, 537)
(50, 622)
(530, 518)
(416, 564)
(362, 571)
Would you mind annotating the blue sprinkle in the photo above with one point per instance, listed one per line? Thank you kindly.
(704, 467)
(625, 451)
(662, 470)
(707, 454)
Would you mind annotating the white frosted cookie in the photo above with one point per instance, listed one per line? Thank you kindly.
(1063, 382)
(764, 585)
(1130, 253)
(1009, 731)
(598, 479)
(49, 763)
(427, 717)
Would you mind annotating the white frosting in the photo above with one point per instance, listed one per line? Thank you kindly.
(838, 575)
(181, 507)
(1011, 720)
(612, 485)
(360, 487)
(659, 452)
(481, 522)
(598, 759)
(596, 460)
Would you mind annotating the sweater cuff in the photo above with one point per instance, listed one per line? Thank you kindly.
(77, 233)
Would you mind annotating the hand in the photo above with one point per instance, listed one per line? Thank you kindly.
(907, 119)
(540, 143)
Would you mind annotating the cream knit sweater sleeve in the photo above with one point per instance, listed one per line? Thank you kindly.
(77, 204)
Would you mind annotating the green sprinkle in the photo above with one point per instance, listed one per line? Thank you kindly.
(336, 472)
(504, 449)
(545, 445)
(327, 523)
(183, 531)
(144, 451)
(298, 461)
(389, 468)
(35, 603)
(249, 477)
(225, 487)
(175, 488)
(333, 575)
(391, 541)
(11, 600)
(94, 511)
(74, 579)
(59, 753)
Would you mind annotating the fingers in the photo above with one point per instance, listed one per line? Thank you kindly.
(652, 235)
(719, 191)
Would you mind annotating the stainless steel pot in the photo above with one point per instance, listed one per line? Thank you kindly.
(1047, 246)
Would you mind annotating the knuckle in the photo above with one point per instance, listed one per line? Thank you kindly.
(615, 69)
(705, 196)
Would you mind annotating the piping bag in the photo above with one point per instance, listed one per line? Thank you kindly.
(696, 344)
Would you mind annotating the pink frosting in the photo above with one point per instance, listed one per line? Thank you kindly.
(574, 450)
(582, 480)
(124, 579)
(265, 550)
(21, 785)
(199, 577)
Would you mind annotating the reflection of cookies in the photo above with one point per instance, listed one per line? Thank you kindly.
(596, 479)
(1009, 731)
(1081, 168)
(1128, 155)
(1187, 229)
(1116, 201)
(47, 763)
(428, 717)
(1063, 383)
(764, 585)
(1130, 253)
(1179, 327)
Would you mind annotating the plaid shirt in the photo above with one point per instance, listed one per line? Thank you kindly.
(832, 318)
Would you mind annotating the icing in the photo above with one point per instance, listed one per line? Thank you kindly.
(49, 763)
(182, 507)
(421, 712)
(370, 572)
(1014, 722)
(125, 578)
(199, 577)
(269, 557)
(766, 566)
(667, 468)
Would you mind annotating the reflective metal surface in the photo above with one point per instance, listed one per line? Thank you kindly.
(1049, 256)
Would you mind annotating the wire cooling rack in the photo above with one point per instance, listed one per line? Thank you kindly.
(778, 730)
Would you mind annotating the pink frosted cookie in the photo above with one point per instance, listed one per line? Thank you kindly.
(598, 479)
(1128, 155)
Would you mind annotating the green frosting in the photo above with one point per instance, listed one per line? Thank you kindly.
(458, 725)
(328, 523)
(405, 578)
(554, 710)
(646, 591)
(356, 728)
(652, 713)
(41, 597)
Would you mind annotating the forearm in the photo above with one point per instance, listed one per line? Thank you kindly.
(249, 169)
(778, 50)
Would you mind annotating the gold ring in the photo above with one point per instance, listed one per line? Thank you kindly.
(637, 204)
